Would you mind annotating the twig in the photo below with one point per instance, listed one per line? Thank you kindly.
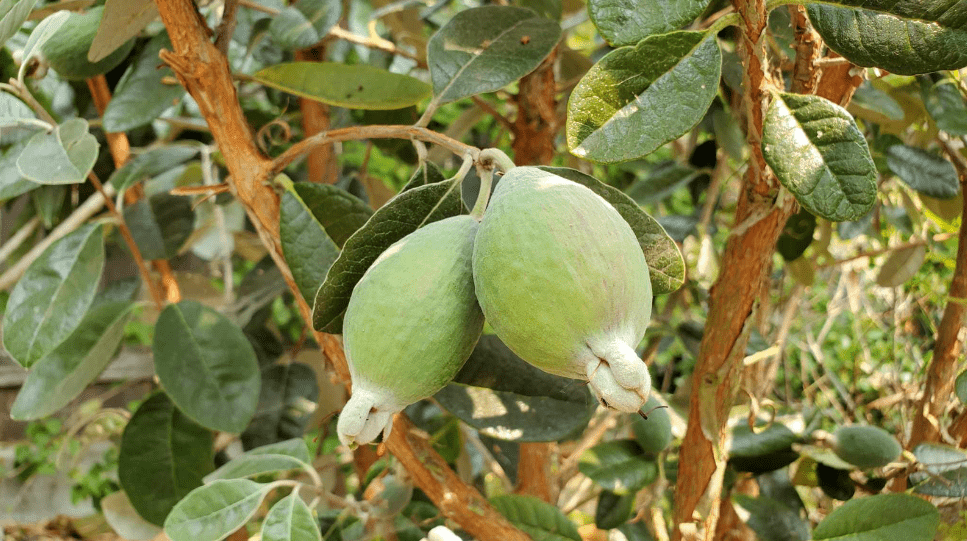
(939, 237)
(208, 172)
(258, 7)
(227, 26)
(375, 42)
(489, 109)
(18, 238)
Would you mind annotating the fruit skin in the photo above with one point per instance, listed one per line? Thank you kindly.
(865, 446)
(655, 433)
(412, 322)
(563, 282)
(66, 51)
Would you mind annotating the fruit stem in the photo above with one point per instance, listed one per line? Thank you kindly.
(486, 175)
(495, 156)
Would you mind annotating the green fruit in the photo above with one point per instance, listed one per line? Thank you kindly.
(66, 50)
(563, 282)
(411, 323)
(865, 446)
(654, 433)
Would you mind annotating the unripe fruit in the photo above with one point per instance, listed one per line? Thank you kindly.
(66, 51)
(563, 282)
(411, 323)
(865, 446)
(654, 433)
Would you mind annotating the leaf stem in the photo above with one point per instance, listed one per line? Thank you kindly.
(732, 19)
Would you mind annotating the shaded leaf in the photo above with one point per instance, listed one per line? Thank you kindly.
(901, 265)
(308, 250)
(62, 374)
(286, 401)
(53, 295)
(356, 86)
(121, 21)
(399, 217)
(946, 105)
(945, 471)
(883, 516)
(276, 457)
(540, 520)
(620, 466)
(151, 163)
(636, 99)
(12, 183)
(613, 510)
(661, 182)
(818, 153)
(483, 49)
(290, 519)
(207, 366)
(160, 224)
(666, 266)
(762, 450)
(948, 13)
(874, 99)
(339, 212)
(626, 22)
(13, 14)
(771, 520)
(835, 482)
(636, 531)
(64, 156)
(13, 112)
(428, 173)
(304, 23)
(923, 171)
(164, 455)
(141, 95)
(797, 235)
(212, 512)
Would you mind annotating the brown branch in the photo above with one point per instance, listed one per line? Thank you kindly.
(376, 43)
(204, 72)
(536, 123)
(227, 27)
(533, 471)
(323, 166)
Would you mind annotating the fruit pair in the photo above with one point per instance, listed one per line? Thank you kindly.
(557, 272)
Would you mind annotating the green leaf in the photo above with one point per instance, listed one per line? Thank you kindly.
(13, 112)
(285, 455)
(124, 519)
(620, 466)
(901, 265)
(656, 90)
(286, 402)
(666, 266)
(164, 455)
(626, 22)
(151, 163)
(40, 34)
(356, 86)
(503, 397)
(762, 451)
(486, 48)
(339, 212)
(540, 520)
(883, 516)
(549, 9)
(13, 14)
(771, 520)
(428, 173)
(923, 171)
(399, 217)
(960, 387)
(947, 13)
(290, 520)
(870, 97)
(904, 46)
(121, 21)
(11, 183)
(53, 295)
(64, 156)
(797, 235)
(160, 225)
(308, 250)
(945, 104)
(835, 482)
(613, 510)
(212, 512)
(63, 373)
(945, 471)
(140, 95)
(818, 153)
(304, 23)
(48, 203)
(661, 182)
(207, 366)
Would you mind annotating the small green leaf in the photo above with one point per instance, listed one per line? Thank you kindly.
(945, 471)
(141, 95)
(212, 512)
(619, 466)
(818, 153)
(505, 398)
(399, 217)
(626, 22)
(613, 510)
(121, 21)
(771, 520)
(657, 90)
(356, 86)
(905, 46)
(883, 516)
(636, 531)
(13, 14)
(304, 23)
(160, 225)
(666, 266)
(286, 402)
(63, 373)
(797, 235)
(946, 105)
(276, 457)
(540, 520)
(207, 366)
(64, 156)
(53, 295)
(901, 265)
(290, 520)
(164, 455)
(486, 48)
(763, 450)
(151, 163)
(923, 171)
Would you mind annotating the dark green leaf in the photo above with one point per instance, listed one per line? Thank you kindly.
(48, 202)
(763, 450)
(923, 171)
(339, 212)
(286, 402)
(304, 23)
(13, 13)
(666, 265)
(160, 225)
(948, 13)
(662, 181)
(542, 521)
(818, 153)
(771, 520)
(550, 9)
(356, 86)
(53, 295)
(884, 516)
(290, 519)
(207, 366)
(613, 510)
(151, 163)
(777, 486)
(505, 398)
(484, 49)
(835, 482)
(619, 466)
(656, 90)
(626, 22)
(64, 156)
(212, 512)
(164, 455)
(900, 45)
(874, 99)
(946, 105)
(428, 173)
(308, 250)
(399, 217)
(140, 95)
(797, 235)
(63, 373)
